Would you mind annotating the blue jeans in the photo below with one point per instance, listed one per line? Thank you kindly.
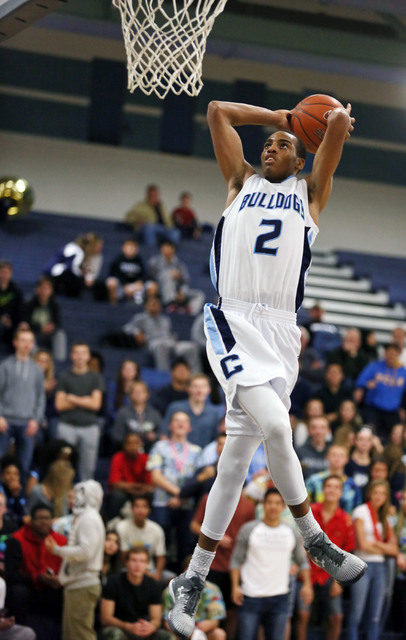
(152, 234)
(368, 592)
(24, 445)
(178, 521)
(271, 612)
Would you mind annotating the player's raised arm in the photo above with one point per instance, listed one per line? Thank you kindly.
(339, 127)
(223, 117)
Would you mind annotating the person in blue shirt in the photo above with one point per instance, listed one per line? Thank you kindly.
(381, 386)
(204, 417)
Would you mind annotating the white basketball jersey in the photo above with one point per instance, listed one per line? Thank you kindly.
(261, 248)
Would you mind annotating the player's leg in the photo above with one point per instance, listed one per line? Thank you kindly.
(221, 505)
(267, 410)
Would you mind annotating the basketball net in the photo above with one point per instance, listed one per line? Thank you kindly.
(165, 45)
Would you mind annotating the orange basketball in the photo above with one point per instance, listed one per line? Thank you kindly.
(309, 119)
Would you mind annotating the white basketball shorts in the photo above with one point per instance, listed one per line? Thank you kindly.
(248, 345)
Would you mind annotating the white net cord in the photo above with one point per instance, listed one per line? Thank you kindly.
(165, 43)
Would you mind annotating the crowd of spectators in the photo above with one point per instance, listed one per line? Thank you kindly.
(86, 553)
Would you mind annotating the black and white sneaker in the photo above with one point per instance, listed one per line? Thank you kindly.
(344, 567)
(185, 593)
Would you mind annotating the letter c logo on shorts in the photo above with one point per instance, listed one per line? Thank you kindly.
(224, 365)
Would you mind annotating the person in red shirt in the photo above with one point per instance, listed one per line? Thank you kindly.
(220, 569)
(337, 524)
(128, 475)
(184, 218)
(31, 596)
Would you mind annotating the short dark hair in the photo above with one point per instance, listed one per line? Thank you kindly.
(392, 345)
(137, 549)
(272, 491)
(40, 506)
(300, 146)
(142, 496)
(334, 477)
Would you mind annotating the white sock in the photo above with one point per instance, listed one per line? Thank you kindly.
(200, 563)
(308, 527)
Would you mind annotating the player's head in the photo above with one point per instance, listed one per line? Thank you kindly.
(283, 155)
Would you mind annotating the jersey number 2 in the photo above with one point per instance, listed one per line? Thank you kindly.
(264, 238)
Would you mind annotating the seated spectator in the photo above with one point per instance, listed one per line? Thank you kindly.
(11, 301)
(313, 409)
(399, 338)
(394, 455)
(11, 486)
(82, 562)
(173, 279)
(30, 599)
(128, 475)
(22, 400)
(198, 336)
(350, 355)
(139, 531)
(348, 421)
(127, 275)
(324, 336)
(210, 612)
(42, 314)
(365, 446)
(45, 362)
(204, 417)
(150, 219)
(312, 454)
(370, 345)
(56, 450)
(53, 490)
(172, 462)
(374, 541)
(220, 568)
(337, 524)
(334, 391)
(78, 399)
(7, 527)
(176, 389)
(131, 602)
(399, 604)
(112, 556)
(119, 389)
(202, 481)
(185, 219)
(381, 386)
(351, 495)
(65, 267)
(209, 455)
(92, 265)
(153, 330)
(139, 417)
(8, 629)
(311, 366)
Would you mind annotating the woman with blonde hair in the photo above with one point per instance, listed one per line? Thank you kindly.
(53, 490)
(374, 541)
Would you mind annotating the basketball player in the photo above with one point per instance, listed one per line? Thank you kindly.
(259, 259)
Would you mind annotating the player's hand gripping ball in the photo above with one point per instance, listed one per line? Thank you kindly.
(308, 120)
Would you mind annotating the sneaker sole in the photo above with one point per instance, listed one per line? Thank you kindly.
(346, 583)
(172, 628)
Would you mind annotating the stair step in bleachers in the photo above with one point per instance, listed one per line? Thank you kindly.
(332, 271)
(375, 298)
(337, 283)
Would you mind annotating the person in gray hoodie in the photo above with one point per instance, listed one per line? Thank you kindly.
(22, 399)
(82, 563)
